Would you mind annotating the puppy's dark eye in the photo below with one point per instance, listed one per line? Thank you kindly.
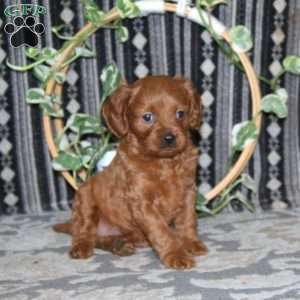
(148, 118)
(180, 114)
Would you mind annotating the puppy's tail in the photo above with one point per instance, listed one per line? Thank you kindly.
(63, 228)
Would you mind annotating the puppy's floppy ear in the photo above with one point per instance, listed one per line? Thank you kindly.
(195, 103)
(114, 111)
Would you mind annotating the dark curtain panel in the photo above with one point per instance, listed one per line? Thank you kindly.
(158, 45)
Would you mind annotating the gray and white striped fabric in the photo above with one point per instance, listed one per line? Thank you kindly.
(158, 45)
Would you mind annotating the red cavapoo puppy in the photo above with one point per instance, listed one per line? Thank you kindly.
(146, 196)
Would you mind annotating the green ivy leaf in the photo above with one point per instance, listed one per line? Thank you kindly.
(221, 203)
(67, 162)
(276, 104)
(283, 94)
(122, 34)
(41, 72)
(200, 205)
(111, 79)
(60, 77)
(50, 110)
(248, 182)
(127, 9)
(243, 134)
(88, 2)
(48, 52)
(84, 52)
(50, 55)
(62, 142)
(84, 124)
(87, 152)
(32, 52)
(36, 96)
(241, 40)
(292, 64)
(57, 29)
(210, 3)
(94, 15)
(241, 197)
(98, 155)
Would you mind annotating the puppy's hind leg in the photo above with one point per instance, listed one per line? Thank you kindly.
(63, 228)
(84, 224)
(111, 238)
(118, 245)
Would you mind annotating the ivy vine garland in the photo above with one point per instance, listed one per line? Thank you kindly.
(76, 156)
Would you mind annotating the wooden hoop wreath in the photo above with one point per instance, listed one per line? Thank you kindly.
(56, 125)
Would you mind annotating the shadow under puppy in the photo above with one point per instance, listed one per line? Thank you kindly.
(146, 196)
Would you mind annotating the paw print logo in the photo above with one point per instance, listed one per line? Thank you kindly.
(24, 31)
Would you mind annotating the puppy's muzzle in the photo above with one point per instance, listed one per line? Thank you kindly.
(168, 140)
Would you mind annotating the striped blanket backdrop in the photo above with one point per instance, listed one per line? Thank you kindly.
(158, 45)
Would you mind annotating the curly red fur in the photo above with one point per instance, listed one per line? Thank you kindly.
(146, 196)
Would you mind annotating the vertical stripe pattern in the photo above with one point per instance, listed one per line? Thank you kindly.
(158, 44)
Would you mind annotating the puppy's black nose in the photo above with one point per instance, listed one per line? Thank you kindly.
(170, 139)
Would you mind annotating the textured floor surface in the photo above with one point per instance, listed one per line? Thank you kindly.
(252, 256)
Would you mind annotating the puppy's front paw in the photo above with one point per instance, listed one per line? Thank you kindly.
(82, 249)
(196, 248)
(179, 260)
